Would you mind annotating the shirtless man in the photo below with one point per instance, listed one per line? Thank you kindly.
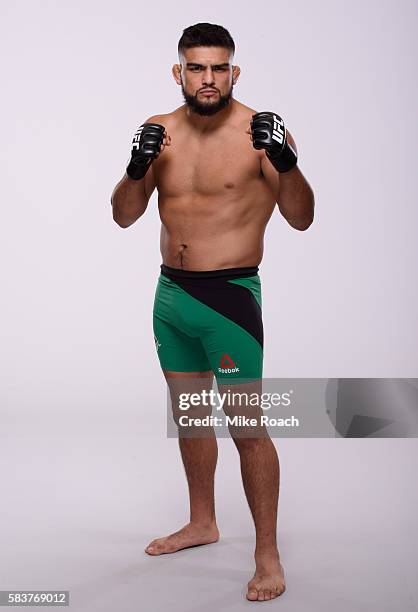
(219, 169)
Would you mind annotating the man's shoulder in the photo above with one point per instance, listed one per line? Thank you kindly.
(165, 118)
(242, 115)
(244, 111)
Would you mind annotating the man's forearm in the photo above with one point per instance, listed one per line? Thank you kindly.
(296, 199)
(128, 201)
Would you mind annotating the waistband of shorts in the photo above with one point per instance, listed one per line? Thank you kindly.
(227, 273)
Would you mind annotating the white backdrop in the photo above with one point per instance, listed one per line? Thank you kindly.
(77, 350)
(339, 299)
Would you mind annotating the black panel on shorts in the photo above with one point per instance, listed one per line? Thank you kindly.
(233, 301)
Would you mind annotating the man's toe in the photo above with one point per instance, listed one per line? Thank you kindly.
(153, 548)
(252, 594)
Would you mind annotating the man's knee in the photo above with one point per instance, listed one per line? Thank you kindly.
(252, 444)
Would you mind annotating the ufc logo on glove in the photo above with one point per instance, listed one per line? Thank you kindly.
(137, 136)
(278, 129)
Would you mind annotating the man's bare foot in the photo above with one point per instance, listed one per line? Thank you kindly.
(190, 535)
(268, 582)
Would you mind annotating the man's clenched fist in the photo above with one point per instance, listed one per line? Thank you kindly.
(146, 146)
(268, 132)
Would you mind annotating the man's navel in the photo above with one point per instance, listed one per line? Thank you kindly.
(180, 254)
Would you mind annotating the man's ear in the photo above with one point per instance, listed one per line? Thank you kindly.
(236, 70)
(177, 73)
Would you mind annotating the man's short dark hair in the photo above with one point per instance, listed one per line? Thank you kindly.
(206, 35)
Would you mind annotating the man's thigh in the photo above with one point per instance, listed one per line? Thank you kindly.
(183, 386)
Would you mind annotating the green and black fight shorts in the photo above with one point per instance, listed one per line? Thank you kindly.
(210, 320)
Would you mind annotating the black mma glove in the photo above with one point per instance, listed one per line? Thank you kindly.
(268, 132)
(146, 146)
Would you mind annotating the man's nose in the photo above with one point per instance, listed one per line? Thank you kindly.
(208, 77)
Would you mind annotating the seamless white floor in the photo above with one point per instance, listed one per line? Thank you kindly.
(78, 508)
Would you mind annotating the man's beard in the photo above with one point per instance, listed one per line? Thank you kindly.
(209, 108)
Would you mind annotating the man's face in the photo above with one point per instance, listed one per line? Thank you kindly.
(206, 76)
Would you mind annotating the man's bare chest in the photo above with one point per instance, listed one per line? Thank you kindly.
(207, 165)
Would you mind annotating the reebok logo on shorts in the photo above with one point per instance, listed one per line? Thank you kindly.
(227, 366)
